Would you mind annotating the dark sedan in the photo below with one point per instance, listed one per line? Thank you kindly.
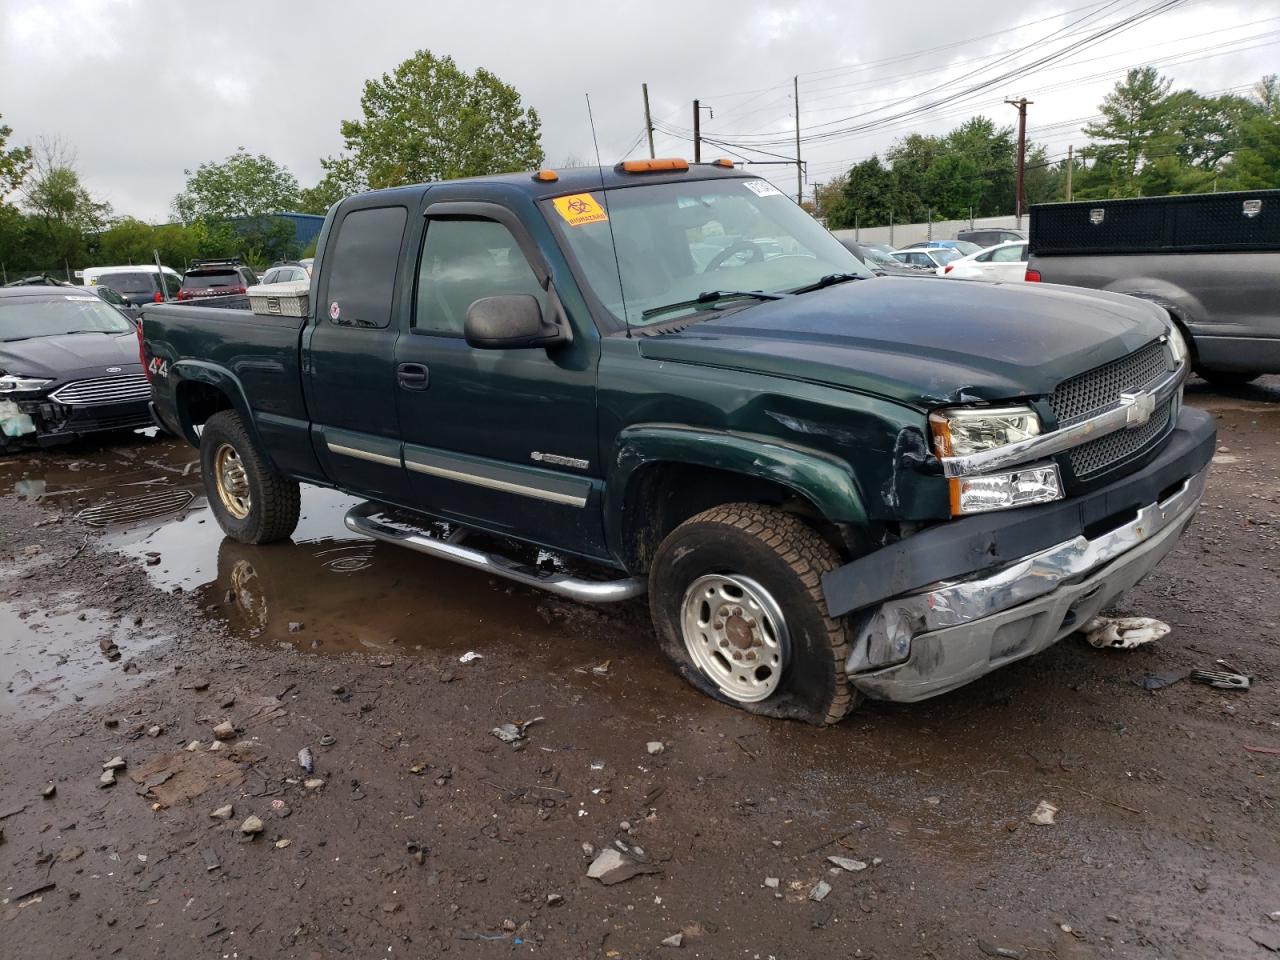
(69, 366)
(880, 262)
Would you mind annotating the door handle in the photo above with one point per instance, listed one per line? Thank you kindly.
(413, 376)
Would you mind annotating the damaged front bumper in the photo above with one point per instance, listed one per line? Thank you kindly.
(1020, 581)
(46, 422)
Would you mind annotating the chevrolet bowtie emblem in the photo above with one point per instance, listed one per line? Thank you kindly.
(1138, 408)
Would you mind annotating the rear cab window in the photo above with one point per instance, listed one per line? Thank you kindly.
(362, 267)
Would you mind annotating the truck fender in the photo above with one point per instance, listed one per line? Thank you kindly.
(824, 480)
(1184, 307)
(226, 383)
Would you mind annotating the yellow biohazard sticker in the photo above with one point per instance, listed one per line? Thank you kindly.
(580, 209)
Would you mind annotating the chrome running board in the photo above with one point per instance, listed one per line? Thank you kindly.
(364, 519)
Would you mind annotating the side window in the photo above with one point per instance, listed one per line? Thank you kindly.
(984, 257)
(1022, 253)
(1007, 254)
(365, 256)
(462, 261)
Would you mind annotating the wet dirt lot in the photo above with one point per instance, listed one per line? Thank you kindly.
(129, 628)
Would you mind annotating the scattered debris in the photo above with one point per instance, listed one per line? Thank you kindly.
(819, 891)
(772, 882)
(1124, 633)
(554, 899)
(1222, 679)
(1266, 937)
(306, 761)
(108, 779)
(469, 656)
(192, 747)
(210, 860)
(283, 844)
(601, 670)
(1043, 814)
(155, 731)
(49, 791)
(196, 683)
(675, 940)
(251, 826)
(845, 863)
(225, 812)
(512, 732)
(1158, 681)
(613, 866)
(225, 730)
(655, 747)
(993, 950)
(313, 783)
(1275, 752)
(328, 740)
(115, 763)
(295, 626)
(69, 853)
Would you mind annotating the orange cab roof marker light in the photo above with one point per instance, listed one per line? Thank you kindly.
(723, 162)
(546, 176)
(653, 166)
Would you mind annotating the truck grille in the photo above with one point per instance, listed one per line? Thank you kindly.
(1095, 390)
(123, 389)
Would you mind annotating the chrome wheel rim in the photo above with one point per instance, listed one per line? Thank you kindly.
(232, 481)
(735, 633)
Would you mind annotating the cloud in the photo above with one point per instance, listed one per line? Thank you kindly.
(143, 90)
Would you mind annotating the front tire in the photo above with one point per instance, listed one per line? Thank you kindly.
(252, 501)
(736, 597)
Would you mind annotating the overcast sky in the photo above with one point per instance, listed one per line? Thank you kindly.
(143, 89)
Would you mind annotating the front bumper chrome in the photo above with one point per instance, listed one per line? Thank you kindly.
(956, 631)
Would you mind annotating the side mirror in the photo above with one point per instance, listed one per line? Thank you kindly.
(509, 323)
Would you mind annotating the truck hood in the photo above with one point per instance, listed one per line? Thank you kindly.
(923, 342)
(57, 357)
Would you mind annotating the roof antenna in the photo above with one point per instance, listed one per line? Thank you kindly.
(604, 195)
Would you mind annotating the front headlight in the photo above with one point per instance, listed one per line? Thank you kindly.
(11, 383)
(962, 431)
(1178, 345)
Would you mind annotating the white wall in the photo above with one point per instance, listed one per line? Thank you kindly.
(902, 235)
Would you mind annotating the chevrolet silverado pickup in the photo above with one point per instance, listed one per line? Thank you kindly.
(1212, 260)
(668, 376)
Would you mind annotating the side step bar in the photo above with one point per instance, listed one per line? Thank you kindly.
(361, 519)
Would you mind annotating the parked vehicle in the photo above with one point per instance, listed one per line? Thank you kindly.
(882, 263)
(931, 258)
(990, 236)
(831, 485)
(216, 278)
(136, 284)
(285, 272)
(1006, 262)
(962, 247)
(309, 263)
(882, 247)
(69, 366)
(1212, 260)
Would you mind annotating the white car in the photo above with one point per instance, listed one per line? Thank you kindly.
(1006, 262)
(933, 258)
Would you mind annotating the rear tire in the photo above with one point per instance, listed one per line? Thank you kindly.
(252, 501)
(736, 597)
(1228, 378)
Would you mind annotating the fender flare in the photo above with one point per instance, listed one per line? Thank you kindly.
(224, 381)
(824, 480)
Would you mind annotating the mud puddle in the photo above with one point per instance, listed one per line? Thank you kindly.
(325, 591)
(53, 659)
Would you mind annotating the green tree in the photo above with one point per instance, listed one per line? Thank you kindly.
(868, 194)
(341, 179)
(1134, 114)
(126, 241)
(242, 185)
(430, 120)
(1256, 162)
(61, 207)
(15, 164)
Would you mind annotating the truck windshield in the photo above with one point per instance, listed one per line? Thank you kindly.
(22, 318)
(679, 241)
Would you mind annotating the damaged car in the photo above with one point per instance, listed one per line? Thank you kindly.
(69, 366)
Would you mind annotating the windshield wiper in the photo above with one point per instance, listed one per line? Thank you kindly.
(830, 280)
(711, 296)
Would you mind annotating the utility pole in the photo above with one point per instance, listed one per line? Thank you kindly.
(1021, 104)
(795, 82)
(697, 132)
(648, 121)
(1070, 165)
(697, 128)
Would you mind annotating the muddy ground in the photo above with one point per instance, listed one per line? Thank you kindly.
(129, 628)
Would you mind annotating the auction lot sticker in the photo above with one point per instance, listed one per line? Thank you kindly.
(762, 188)
(580, 209)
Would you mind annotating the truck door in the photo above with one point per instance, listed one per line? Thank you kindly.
(499, 439)
(349, 353)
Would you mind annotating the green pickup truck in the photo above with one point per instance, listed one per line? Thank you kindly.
(666, 378)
